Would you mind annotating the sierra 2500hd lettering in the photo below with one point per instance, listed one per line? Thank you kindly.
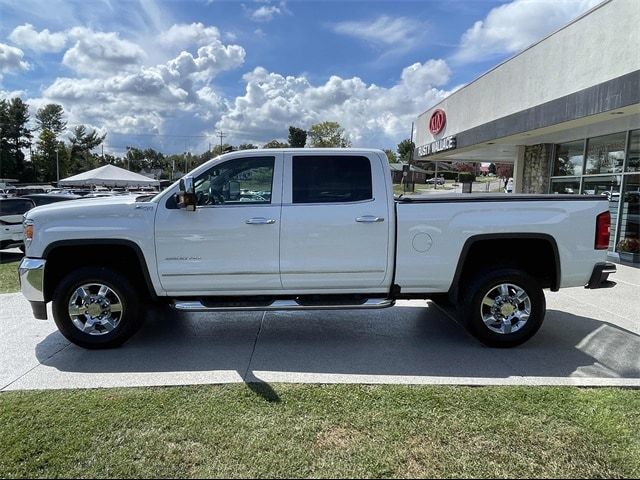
(297, 229)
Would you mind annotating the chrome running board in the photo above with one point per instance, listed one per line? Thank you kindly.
(198, 306)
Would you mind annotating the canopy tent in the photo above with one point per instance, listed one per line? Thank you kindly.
(109, 176)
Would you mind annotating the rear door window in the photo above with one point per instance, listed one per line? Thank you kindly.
(331, 179)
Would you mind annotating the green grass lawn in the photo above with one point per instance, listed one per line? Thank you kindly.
(9, 277)
(323, 431)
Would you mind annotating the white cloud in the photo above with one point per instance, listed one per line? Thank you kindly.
(188, 35)
(512, 27)
(371, 115)
(267, 11)
(11, 59)
(399, 32)
(96, 53)
(26, 36)
(139, 98)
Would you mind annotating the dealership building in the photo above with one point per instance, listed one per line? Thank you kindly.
(565, 111)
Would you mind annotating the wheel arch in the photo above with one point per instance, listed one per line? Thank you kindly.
(548, 270)
(122, 255)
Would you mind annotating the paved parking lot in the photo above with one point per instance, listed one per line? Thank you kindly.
(589, 338)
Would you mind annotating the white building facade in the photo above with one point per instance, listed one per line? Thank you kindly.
(565, 112)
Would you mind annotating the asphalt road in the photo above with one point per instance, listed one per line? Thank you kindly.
(590, 338)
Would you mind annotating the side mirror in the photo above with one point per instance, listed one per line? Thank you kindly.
(186, 195)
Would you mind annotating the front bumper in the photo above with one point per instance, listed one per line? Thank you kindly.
(600, 276)
(31, 274)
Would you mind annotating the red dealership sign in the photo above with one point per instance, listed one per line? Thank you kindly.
(437, 121)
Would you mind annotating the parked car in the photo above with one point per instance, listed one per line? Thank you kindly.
(436, 181)
(325, 233)
(11, 216)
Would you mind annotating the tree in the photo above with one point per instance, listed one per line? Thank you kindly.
(247, 146)
(44, 159)
(14, 136)
(391, 156)
(50, 122)
(405, 150)
(492, 168)
(219, 150)
(328, 135)
(82, 143)
(297, 137)
(504, 170)
(50, 117)
(275, 144)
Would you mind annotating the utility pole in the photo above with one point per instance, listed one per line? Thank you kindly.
(413, 185)
(185, 156)
(221, 134)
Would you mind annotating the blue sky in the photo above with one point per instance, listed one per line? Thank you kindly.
(168, 74)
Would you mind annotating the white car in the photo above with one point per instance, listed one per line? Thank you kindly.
(11, 216)
(325, 233)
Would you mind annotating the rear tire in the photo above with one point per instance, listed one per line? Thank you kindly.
(502, 307)
(96, 307)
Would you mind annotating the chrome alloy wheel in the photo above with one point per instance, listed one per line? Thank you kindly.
(95, 309)
(505, 308)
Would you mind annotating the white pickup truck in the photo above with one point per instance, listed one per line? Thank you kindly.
(296, 229)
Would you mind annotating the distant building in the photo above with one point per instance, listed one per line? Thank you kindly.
(419, 174)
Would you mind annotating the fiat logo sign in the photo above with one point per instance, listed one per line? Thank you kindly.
(437, 121)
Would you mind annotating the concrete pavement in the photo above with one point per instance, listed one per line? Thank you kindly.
(590, 338)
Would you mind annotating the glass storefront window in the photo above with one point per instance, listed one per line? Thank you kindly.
(608, 186)
(565, 185)
(605, 154)
(628, 246)
(602, 185)
(569, 158)
(633, 160)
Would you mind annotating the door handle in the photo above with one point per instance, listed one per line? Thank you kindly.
(260, 221)
(369, 219)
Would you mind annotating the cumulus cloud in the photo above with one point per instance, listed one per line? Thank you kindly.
(95, 53)
(371, 115)
(514, 26)
(188, 35)
(142, 98)
(11, 59)
(27, 36)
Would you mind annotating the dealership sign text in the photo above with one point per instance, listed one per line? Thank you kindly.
(446, 143)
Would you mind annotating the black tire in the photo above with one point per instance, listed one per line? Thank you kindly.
(475, 290)
(130, 319)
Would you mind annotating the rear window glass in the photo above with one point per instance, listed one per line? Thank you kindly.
(331, 179)
(14, 207)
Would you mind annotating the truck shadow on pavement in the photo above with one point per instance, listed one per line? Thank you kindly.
(347, 346)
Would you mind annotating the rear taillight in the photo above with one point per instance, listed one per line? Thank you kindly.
(603, 231)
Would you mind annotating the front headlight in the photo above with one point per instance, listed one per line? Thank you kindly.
(28, 231)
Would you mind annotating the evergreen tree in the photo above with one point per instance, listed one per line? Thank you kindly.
(297, 137)
(14, 137)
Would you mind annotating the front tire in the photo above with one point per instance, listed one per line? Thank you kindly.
(96, 307)
(502, 307)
